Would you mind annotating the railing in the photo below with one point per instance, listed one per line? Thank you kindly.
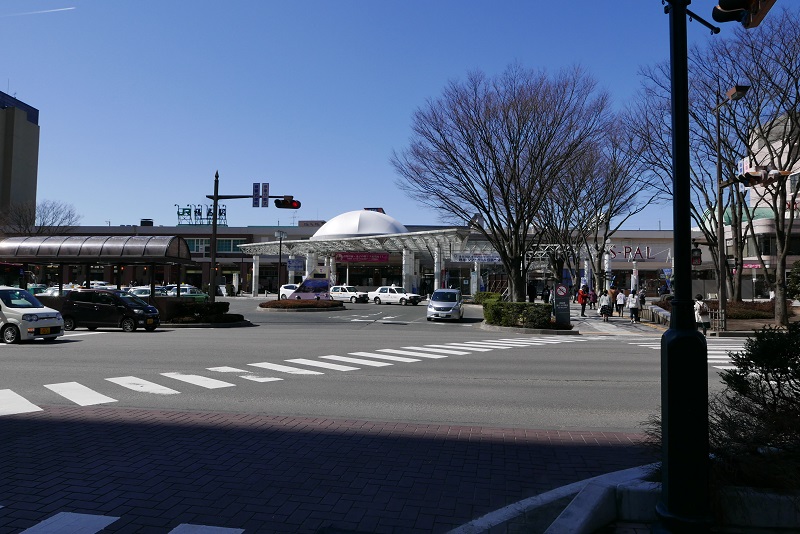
(718, 320)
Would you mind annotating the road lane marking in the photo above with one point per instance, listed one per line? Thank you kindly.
(11, 403)
(431, 348)
(72, 522)
(144, 386)
(198, 380)
(79, 394)
(384, 357)
(285, 368)
(358, 361)
(413, 353)
(463, 346)
(247, 374)
(485, 344)
(324, 365)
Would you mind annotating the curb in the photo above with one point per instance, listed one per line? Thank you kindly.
(538, 331)
(237, 324)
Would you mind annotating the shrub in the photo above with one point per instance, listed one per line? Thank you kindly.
(519, 314)
(738, 310)
(484, 296)
(298, 304)
(793, 282)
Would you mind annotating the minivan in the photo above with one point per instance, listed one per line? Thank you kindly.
(446, 304)
(23, 317)
(94, 308)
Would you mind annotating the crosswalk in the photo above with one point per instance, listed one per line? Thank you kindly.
(70, 522)
(718, 350)
(171, 383)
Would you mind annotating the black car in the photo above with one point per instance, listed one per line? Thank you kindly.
(94, 308)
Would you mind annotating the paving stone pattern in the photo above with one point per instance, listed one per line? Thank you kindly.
(156, 469)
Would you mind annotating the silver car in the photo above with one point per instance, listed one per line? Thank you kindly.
(446, 304)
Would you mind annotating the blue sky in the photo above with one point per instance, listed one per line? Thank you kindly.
(141, 101)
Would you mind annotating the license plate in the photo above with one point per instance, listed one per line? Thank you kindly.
(45, 330)
(149, 321)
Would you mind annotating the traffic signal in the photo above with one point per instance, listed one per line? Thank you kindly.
(749, 12)
(287, 202)
(761, 177)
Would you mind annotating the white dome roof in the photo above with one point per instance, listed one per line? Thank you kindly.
(359, 223)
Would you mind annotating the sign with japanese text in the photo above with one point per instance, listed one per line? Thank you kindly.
(362, 257)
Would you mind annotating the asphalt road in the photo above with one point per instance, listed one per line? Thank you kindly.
(587, 382)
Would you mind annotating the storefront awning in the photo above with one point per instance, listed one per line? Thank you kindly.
(74, 250)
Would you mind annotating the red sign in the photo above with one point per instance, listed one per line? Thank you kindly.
(362, 257)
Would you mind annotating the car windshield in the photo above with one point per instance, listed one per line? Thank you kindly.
(399, 289)
(131, 299)
(350, 289)
(19, 298)
(444, 296)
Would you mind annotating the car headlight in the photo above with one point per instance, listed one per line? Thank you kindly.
(32, 317)
(59, 317)
(138, 311)
(430, 305)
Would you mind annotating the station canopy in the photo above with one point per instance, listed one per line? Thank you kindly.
(129, 250)
(368, 231)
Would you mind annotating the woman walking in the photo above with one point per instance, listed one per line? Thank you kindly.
(621, 298)
(633, 306)
(605, 306)
(583, 299)
(701, 316)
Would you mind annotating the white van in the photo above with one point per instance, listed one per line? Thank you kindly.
(23, 317)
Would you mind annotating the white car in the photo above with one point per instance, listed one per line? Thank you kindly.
(393, 294)
(23, 317)
(348, 294)
(446, 304)
(286, 291)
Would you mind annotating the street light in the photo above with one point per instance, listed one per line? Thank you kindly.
(734, 93)
(280, 235)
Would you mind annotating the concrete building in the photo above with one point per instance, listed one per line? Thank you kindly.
(19, 152)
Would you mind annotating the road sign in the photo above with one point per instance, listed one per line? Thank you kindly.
(256, 194)
(260, 192)
(265, 195)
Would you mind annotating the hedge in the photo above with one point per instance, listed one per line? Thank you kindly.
(519, 314)
(481, 297)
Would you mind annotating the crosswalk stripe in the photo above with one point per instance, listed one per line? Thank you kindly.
(73, 523)
(384, 357)
(12, 403)
(528, 343)
(503, 343)
(536, 340)
(198, 380)
(413, 353)
(463, 346)
(285, 368)
(202, 529)
(324, 365)
(490, 345)
(430, 348)
(144, 386)
(725, 367)
(79, 394)
(247, 374)
(358, 361)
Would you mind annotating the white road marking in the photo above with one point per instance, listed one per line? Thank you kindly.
(187, 528)
(285, 368)
(144, 386)
(198, 380)
(76, 334)
(413, 353)
(431, 348)
(725, 367)
(489, 345)
(358, 361)
(384, 357)
(247, 374)
(11, 403)
(501, 343)
(324, 365)
(463, 346)
(79, 394)
(72, 522)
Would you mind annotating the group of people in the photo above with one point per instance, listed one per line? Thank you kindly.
(611, 300)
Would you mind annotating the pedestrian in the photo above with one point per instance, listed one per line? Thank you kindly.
(606, 308)
(546, 294)
(701, 315)
(621, 298)
(592, 299)
(633, 306)
(583, 299)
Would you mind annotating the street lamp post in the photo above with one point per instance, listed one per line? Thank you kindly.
(280, 235)
(212, 292)
(735, 93)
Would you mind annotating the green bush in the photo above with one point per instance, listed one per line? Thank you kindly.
(519, 314)
(793, 282)
(484, 296)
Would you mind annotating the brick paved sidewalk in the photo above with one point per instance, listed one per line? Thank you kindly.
(156, 469)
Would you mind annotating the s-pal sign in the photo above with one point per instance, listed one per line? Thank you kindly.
(630, 252)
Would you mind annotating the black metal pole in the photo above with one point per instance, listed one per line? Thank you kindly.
(684, 505)
(212, 290)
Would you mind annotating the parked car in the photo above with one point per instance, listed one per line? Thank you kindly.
(286, 290)
(94, 308)
(35, 289)
(446, 304)
(190, 292)
(143, 292)
(348, 294)
(394, 294)
(53, 291)
(23, 317)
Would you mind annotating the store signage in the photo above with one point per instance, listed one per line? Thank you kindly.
(751, 266)
(296, 264)
(362, 257)
(630, 252)
(477, 257)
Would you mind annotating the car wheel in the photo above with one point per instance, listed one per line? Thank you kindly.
(429, 318)
(353, 300)
(10, 334)
(377, 300)
(403, 302)
(69, 323)
(415, 303)
(50, 339)
(92, 327)
(150, 328)
(128, 325)
(282, 297)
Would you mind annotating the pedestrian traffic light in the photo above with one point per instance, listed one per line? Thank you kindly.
(287, 202)
(697, 256)
(753, 178)
(749, 12)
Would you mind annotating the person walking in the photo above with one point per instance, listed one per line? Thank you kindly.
(606, 307)
(633, 306)
(546, 294)
(583, 299)
(592, 299)
(702, 318)
(621, 298)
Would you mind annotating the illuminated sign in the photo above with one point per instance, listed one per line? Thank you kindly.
(362, 257)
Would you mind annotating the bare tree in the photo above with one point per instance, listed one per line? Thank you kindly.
(495, 147)
(48, 217)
